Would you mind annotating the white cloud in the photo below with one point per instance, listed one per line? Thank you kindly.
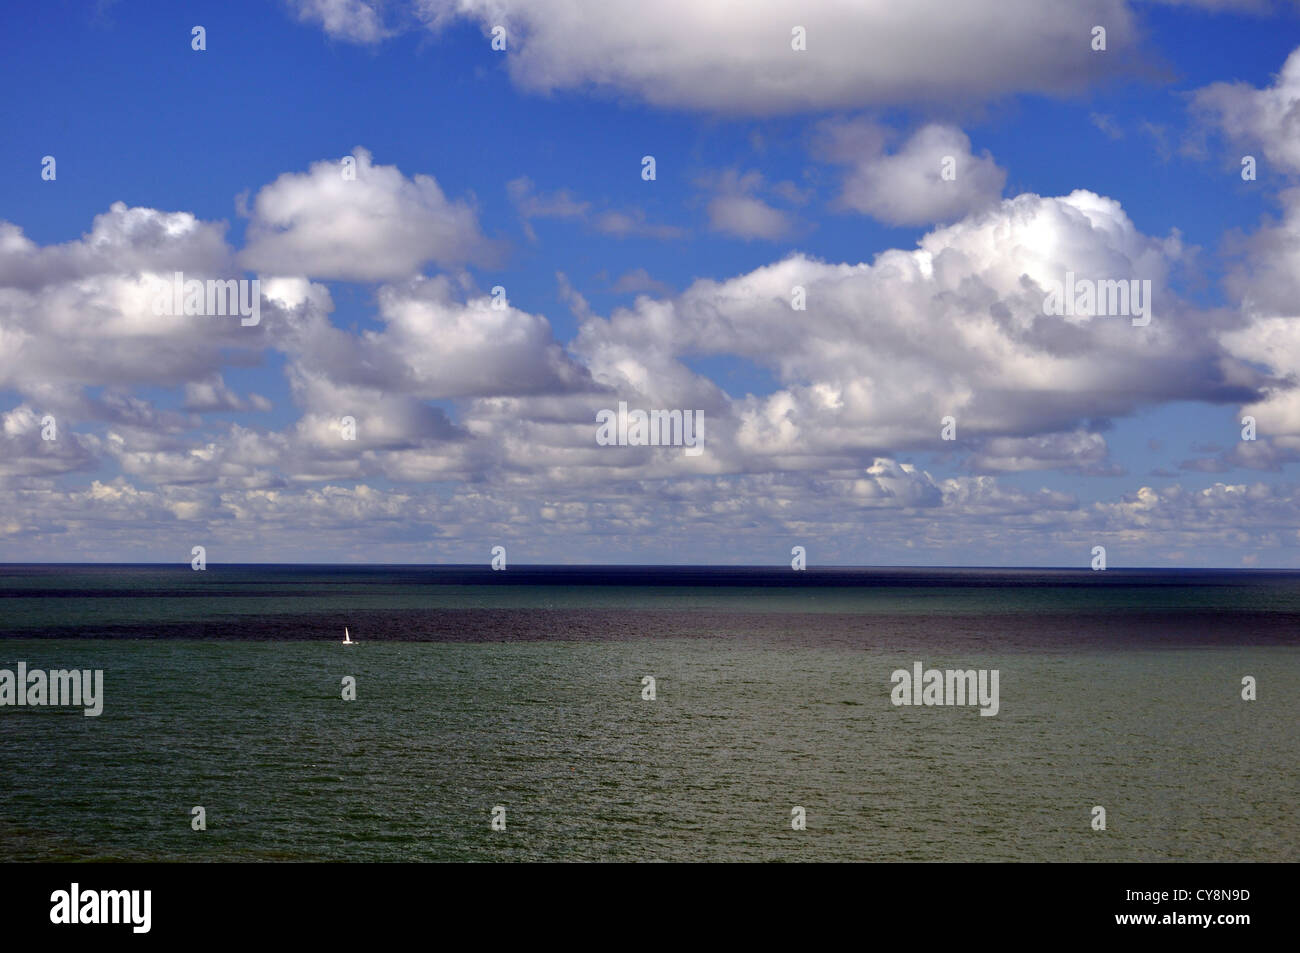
(682, 53)
(436, 346)
(1074, 452)
(736, 210)
(886, 348)
(1265, 118)
(378, 226)
(908, 187)
(888, 512)
(211, 393)
(81, 314)
(747, 217)
(121, 241)
(1265, 275)
(24, 451)
(354, 20)
(956, 327)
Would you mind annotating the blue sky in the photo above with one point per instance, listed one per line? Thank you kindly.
(621, 288)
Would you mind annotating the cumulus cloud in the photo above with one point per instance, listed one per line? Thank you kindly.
(78, 337)
(888, 512)
(885, 349)
(471, 417)
(1075, 452)
(438, 346)
(121, 241)
(33, 444)
(81, 314)
(746, 216)
(1265, 275)
(377, 226)
(356, 21)
(909, 186)
(212, 394)
(735, 208)
(956, 327)
(681, 53)
(1268, 119)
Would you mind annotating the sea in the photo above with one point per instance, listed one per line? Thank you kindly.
(638, 713)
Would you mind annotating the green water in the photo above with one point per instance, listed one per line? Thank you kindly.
(557, 733)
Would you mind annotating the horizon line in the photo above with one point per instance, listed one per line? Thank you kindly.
(781, 565)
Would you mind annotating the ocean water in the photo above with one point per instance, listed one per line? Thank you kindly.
(523, 690)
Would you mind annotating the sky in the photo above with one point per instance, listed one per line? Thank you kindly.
(461, 259)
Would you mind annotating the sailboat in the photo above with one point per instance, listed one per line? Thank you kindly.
(347, 639)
